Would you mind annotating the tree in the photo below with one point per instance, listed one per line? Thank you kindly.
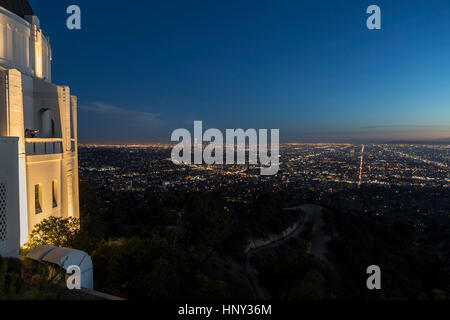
(54, 231)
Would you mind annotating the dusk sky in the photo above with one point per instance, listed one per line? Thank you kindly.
(311, 68)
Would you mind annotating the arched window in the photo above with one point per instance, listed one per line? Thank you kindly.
(47, 124)
(53, 128)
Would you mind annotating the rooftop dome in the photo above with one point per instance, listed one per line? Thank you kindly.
(20, 7)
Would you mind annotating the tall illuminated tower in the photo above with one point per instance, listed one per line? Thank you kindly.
(38, 131)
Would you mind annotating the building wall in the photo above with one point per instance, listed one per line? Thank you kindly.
(43, 170)
(9, 198)
(28, 100)
(13, 126)
(61, 167)
(23, 46)
(45, 96)
(76, 195)
(22, 102)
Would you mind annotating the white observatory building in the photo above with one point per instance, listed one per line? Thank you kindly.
(38, 131)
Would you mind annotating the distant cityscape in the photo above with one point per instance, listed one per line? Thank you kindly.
(394, 178)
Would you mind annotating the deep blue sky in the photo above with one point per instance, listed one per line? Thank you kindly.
(310, 68)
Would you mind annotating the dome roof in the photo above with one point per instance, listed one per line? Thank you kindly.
(20, 7)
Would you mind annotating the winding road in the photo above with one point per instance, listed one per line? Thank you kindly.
(311, 212)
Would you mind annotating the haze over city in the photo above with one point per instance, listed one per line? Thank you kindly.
(311, 69)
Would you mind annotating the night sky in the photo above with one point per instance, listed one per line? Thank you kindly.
(310, 68)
